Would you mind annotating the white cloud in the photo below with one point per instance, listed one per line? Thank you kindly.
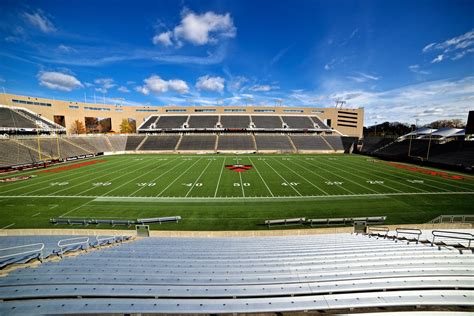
(156, 85)
(123, 89)
(210, 83)
(65, 49)
(163, 38)
(104, 84)
(458, 46)
(363, 77)
(40, 21)
(58, 81)
(263, 88)
(438, 59)
(416, 69)
(198, 29)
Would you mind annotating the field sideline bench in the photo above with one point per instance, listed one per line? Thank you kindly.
(113, 222)
(285, 222)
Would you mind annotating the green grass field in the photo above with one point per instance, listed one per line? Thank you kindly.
(209, 196)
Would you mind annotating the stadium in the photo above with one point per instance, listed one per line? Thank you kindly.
(198, 195)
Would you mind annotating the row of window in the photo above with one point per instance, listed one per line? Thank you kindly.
(31, 102)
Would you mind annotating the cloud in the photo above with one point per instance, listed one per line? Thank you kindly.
(438, 59)
(123, 89)
(198, 29)
(363, 77)
(263, 88)
(65, 49)
(454, 48)
(210, 83)
(280, 54)
(58, 81)
(39, 20)
(105, 84)
(416, 69)
(156, 85)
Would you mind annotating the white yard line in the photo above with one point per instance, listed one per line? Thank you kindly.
(200, 175)
(283, 178)
(314, 185)
(220, 176)
(338, 176)
(178, 177)
(139, 176)
(240, 177)
(7, 226)
(154, 179)
(34, 215)
(76, 208)
(264, 182)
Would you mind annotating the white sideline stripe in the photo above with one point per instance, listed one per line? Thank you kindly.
(220, 176)
(7, 226)
(111, 198)
(199, 177)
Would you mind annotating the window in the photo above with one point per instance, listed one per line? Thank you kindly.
(235, 110)
(264, 111)
(91, 108)
(317, 111)
(31, 102)
(175, 110)
(204, 110)
(146, 110)
(74, 107)
(293, 111)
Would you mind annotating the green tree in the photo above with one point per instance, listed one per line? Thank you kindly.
(77, 127)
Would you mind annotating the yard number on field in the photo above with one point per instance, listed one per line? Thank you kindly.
(245, 184)
(59, 183)
(101, 184)
(333, 183)
(198, 184)
(146, 184)
(293, 184)
(374, 182)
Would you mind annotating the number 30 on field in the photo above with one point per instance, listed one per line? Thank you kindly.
(245, 184)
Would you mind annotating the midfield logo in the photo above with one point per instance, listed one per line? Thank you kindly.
(239, 168)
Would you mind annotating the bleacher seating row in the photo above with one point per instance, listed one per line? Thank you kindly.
(332, 272)
(157, 123)
(27, 150)
(19, 119)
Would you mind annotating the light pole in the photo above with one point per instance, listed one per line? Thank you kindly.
(375, 128)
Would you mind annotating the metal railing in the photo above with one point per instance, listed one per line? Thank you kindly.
(409, 231)
(70, 242)
(378, 229)
(453, 219)
(39, 249)
(449, 234)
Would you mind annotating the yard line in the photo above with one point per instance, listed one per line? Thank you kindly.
(154, 179)
(141, 175)
(359, 184)
(179, 177)
(76, 208)
(240, 177)
(54, 179)
(7, 226)
(264, 182)
(283, 178)
(314, 185)
(36, 214)
(220, 175)
(194, 184)
(100, 177)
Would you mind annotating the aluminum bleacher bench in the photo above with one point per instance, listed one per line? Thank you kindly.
(159, 220)
(345, 221)
(285, 222)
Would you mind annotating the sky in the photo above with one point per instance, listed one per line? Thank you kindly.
(400, 60)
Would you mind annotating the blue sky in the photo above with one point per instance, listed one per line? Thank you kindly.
(400, 60)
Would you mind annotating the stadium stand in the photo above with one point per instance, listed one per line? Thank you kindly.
(235, 142)
(9, 118)
(335, 142)
(198, 142)
(100, 143)
(273, 142)
(267, 121)
(298, 122)
(40, 121)
(203, 121)
(319, 123)
(133, 142)
(235, 121)
(371, 144)
(169, 122)
(149, 123)
(310, 143)
(117, 142)
(83, 142)
(13, 153)
(333, 272)
(162, 142)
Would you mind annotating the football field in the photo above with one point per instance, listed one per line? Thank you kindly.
(214, 192)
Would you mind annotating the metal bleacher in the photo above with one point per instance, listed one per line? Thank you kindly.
(273, 142)
(315, 143)
(300, 122)
(244, 275)
(169, 122)
(203, 121)
(235, 121)
(267, 121)
(165, 142)
(235, 142)
(198, 142)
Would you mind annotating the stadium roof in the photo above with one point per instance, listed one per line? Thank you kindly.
(446, 131)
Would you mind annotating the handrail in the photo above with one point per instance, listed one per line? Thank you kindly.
(379, 229)
(435, 234)
(104, 238)
(62, 245)
(460, 218)
(40, 250)
(409, 231)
